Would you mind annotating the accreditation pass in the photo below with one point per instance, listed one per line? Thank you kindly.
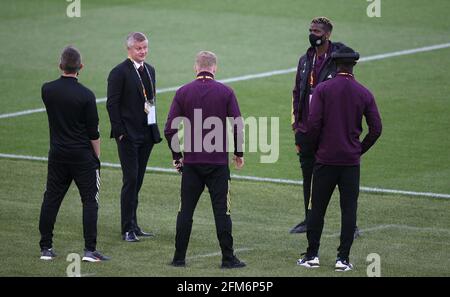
(151, 114)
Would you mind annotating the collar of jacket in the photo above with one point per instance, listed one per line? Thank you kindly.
(205, 74)
(131, 62)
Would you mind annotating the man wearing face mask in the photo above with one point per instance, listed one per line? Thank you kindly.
(314, 67)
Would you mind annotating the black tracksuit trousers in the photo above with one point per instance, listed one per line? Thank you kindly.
(194, 179)
(325, 179)
(307, 160)
(60, 175)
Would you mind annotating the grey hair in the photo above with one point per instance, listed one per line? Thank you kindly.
(135, 37)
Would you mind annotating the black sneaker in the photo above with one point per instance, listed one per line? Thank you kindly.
(94, 256)
(343, 265)
(178, 263)
(47, 254)
(299, 228)
(130, 237)
(232, 263)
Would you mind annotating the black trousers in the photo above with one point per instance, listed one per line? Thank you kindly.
(194, 179)
(133, 160)
(307, 161)
(60, 176)
(326, 177)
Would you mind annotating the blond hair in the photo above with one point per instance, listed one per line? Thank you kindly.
(205, 60)
(324, 21)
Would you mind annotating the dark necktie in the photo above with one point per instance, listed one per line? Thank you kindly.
(141, 69)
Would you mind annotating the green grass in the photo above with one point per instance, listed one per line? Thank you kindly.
(249, 36)
(261, 221)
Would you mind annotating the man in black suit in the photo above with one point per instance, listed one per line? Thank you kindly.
(131, 106)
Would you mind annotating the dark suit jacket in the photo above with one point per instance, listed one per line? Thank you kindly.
(125, 103)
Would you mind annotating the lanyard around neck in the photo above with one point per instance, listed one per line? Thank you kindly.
(151, 101)
(311, 76)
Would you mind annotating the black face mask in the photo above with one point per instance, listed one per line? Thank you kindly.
(316, 40)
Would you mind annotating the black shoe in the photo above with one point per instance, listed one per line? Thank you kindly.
(143, 234)
(357, 233)
(299, 228)
(47, 254)
(178, 263)
(232, 263)
(94, 256)
(130, 237)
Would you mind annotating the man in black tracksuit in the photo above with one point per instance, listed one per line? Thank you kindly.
(313, 68)
(74, 152)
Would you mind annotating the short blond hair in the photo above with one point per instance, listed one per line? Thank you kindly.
(324, 21)
(205, 59)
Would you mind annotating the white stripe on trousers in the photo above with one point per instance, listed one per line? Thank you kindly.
(97, 174)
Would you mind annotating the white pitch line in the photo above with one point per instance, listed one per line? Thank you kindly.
(396, 226)
(253, 178)
(21, 113)
(406, 52)
(263, 74)
(217, 254)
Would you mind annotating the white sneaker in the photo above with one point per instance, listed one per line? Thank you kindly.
(309, 262)
(343, 265)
